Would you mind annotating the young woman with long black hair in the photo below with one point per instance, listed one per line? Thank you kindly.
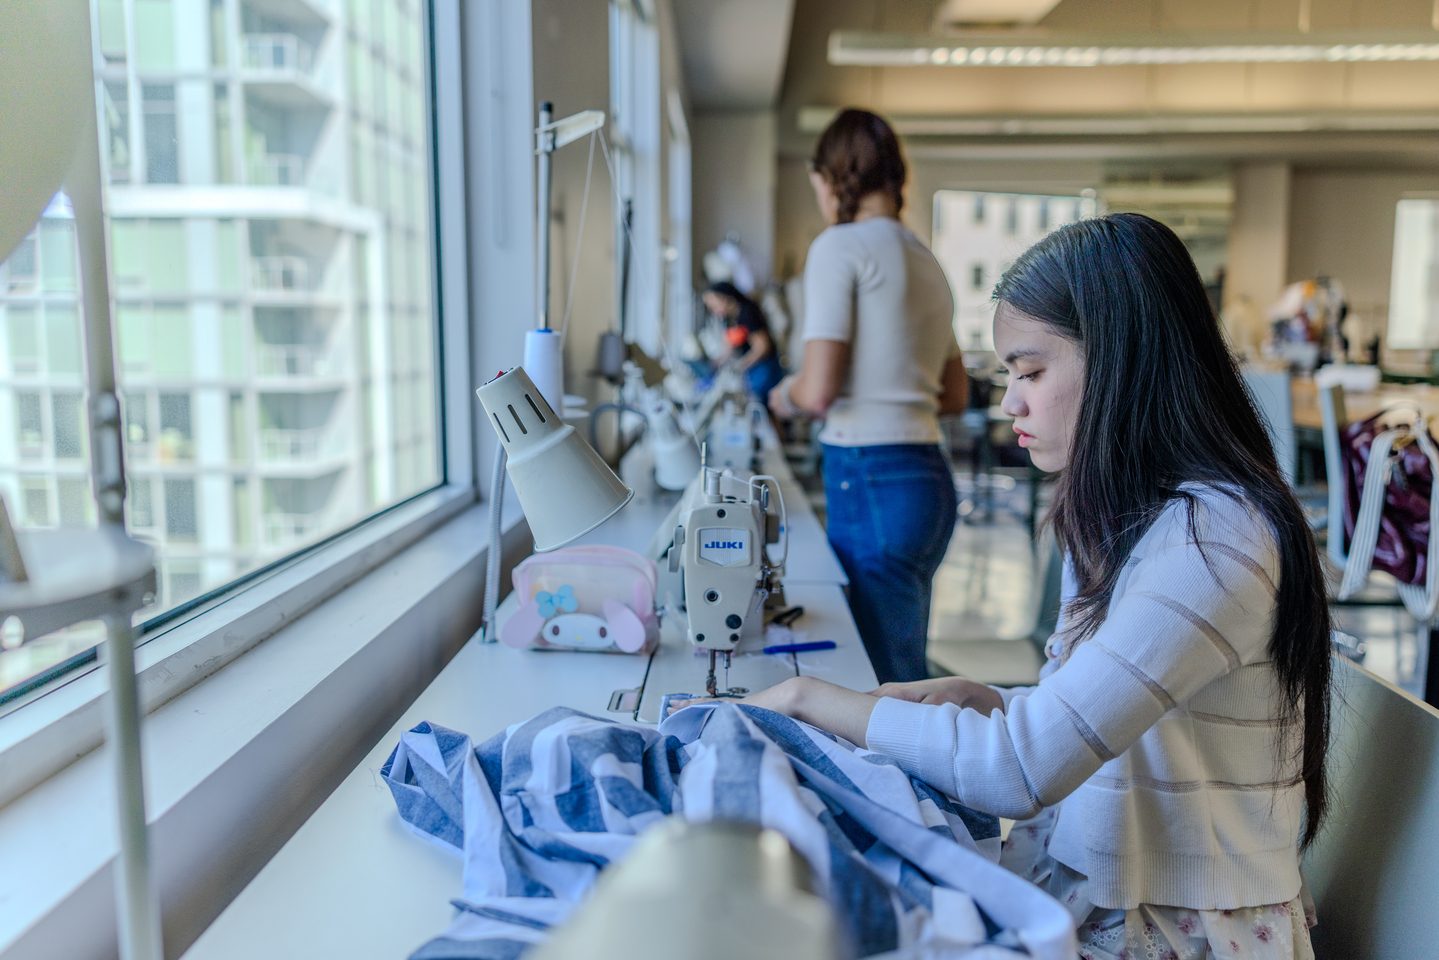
(1169, 765)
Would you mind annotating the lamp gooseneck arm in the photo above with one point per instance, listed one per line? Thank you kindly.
(493, 559)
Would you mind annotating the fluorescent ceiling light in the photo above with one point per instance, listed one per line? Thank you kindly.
(1031, 48)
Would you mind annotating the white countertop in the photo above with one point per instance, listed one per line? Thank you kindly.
(355, 882)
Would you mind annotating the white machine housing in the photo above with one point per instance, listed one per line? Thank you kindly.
(675, 455)
(724, 529)
(733, 438)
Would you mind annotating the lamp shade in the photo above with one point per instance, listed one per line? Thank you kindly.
(565, 489)
(45, 87)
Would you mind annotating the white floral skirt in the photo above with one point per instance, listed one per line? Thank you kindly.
(1277, 931)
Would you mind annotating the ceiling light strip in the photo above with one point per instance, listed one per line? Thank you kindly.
(850, 50)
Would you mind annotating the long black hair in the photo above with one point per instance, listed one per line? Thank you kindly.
(1163, 404)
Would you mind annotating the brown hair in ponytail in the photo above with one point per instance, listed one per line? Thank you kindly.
(858, 154)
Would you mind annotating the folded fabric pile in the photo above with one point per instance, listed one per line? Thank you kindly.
(538, 810)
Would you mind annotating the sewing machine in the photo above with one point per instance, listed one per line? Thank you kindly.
(733, 436)
(722, 574)
(673, 452)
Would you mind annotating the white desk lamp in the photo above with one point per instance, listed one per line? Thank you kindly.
(51, 579)
(565, 489)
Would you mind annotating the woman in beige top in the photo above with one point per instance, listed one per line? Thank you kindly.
(880, 365)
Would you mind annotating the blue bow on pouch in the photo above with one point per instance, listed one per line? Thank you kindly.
(561, 601)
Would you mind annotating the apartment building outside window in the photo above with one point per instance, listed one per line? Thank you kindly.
(273, 282)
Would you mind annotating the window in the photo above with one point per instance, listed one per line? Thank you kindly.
(975, 252)
(225, 163)
(112, 30)
(155, 34)
(66, 412)
(30, 424)
(181, 523)
(139, 433)
(20, 272)
(1414, 278)
(77, 507)
(177, 438)
(22, 339)
(140, 506)
(116, 124)
(162, 148)
(62, 340)
(183, 580)
(261, 411)
(57, 253)
(35, 503)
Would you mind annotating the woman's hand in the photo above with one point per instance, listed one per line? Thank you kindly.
(839, 710)
(780, 401)
(959, 691)
(783, 698)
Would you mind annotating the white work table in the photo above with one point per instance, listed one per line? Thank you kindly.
(355, 882)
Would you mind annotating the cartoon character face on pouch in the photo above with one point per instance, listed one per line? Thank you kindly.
(582, 630)
(619, 628)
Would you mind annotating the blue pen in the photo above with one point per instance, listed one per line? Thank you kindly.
(801, 647)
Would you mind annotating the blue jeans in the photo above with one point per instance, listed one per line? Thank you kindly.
(764, 377)
(891, 512)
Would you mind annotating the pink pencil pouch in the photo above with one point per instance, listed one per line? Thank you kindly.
(594, 598)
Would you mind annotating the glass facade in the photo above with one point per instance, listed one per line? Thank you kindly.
(269, 201)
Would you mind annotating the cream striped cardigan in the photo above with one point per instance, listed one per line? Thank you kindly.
(1158, 732)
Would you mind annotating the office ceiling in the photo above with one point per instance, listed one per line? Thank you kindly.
(734, 51)
(1375, 114)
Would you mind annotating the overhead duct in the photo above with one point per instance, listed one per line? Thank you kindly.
(813, 119)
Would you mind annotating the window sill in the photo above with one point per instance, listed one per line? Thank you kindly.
(45, 732)
(236, 764)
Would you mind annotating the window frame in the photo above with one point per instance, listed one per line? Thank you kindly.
(60, 717)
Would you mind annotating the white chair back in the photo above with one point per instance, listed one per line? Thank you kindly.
(1269, 390)
(1333, 420)
(1374, 867)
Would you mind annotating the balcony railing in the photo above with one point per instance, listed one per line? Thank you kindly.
(284, 446)
(294, 360)
(280, 272)
(287, 445)
(278, 51)
(278, 170)
(281, 528)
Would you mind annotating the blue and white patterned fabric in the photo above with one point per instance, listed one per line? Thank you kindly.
(539, 810)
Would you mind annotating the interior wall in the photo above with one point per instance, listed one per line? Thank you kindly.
(1341, 223)
(1258, 262)
(571, 69)
(734, 185)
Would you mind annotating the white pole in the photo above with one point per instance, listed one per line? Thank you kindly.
(545, 146)
(136, 906)
(138, 912)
